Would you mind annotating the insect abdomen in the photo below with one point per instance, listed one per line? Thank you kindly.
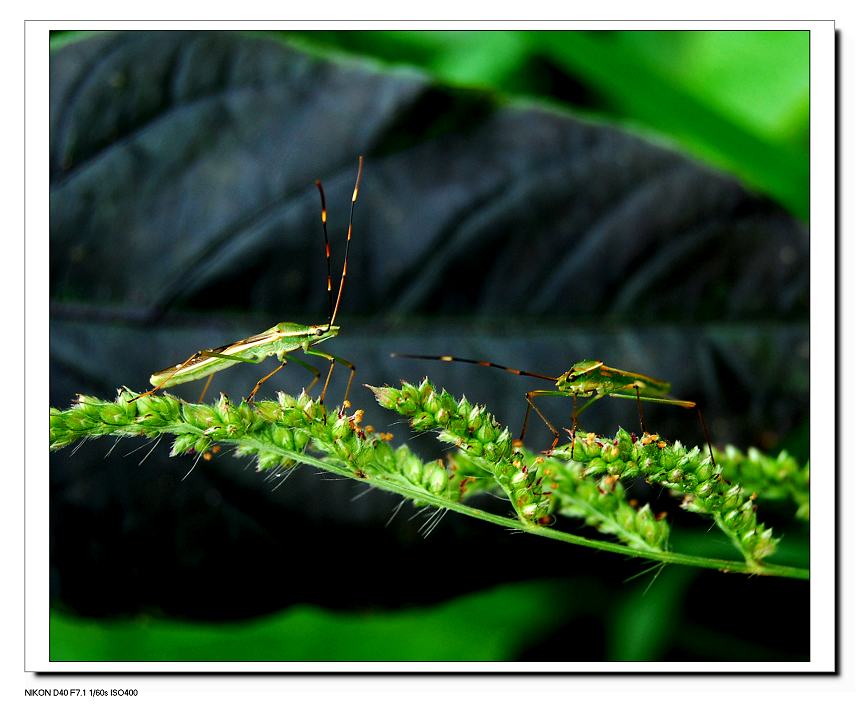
(209, 365)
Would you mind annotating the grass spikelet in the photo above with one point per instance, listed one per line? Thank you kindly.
(585, 480)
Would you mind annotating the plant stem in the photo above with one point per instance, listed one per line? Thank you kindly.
(553, 534)
(280, 434)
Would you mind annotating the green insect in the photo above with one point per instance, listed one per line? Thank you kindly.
(589, 379)
(280, 340)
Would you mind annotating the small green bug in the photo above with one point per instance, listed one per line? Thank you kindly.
(590, 379)
(278, 341)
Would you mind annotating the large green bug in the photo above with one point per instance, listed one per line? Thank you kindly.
(590, 379)
(278, 341)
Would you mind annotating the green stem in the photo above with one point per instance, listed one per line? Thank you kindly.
(615, 528)
(415, 494)
(279, 434)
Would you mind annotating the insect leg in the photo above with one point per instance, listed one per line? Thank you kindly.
(332, 359)
(206, 387)
(707, 435)
(219, 355)
(310, 367)
(682, 404)
(327, 380)
(531, 405)
(263, 380)
(655, 400)
(588, 403)
(574, 417)
(641, 415)
(284, 358)
(578, 411)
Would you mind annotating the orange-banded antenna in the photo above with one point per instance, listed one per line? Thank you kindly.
(324, 217)
(518, 372)
(348, 239)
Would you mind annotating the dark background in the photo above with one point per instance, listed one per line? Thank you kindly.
(183, 215)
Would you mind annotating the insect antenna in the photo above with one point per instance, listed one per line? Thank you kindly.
(348, 239)
(517, 372)
(448, 358)
(324, 218)
(707, 435)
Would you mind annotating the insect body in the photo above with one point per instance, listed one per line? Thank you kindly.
(589, 379)
(279, 341)
(595, 379)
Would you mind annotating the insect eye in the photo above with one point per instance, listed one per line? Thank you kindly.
(319, 332)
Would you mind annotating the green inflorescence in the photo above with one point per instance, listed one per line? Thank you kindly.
(571, 471)
(586, 480)
(478, 435)
(535, 485)
(276, 433)
(779, 478)
(687, 472)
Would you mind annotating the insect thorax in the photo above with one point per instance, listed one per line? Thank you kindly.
(313, 332)
(585, 385)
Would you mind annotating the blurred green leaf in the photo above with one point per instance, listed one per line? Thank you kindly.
(60, 38)
(796, 442)
(647, 618)
(793, 545)
(760, 79)
(696, 111)
(739, 100)
(486, 626)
